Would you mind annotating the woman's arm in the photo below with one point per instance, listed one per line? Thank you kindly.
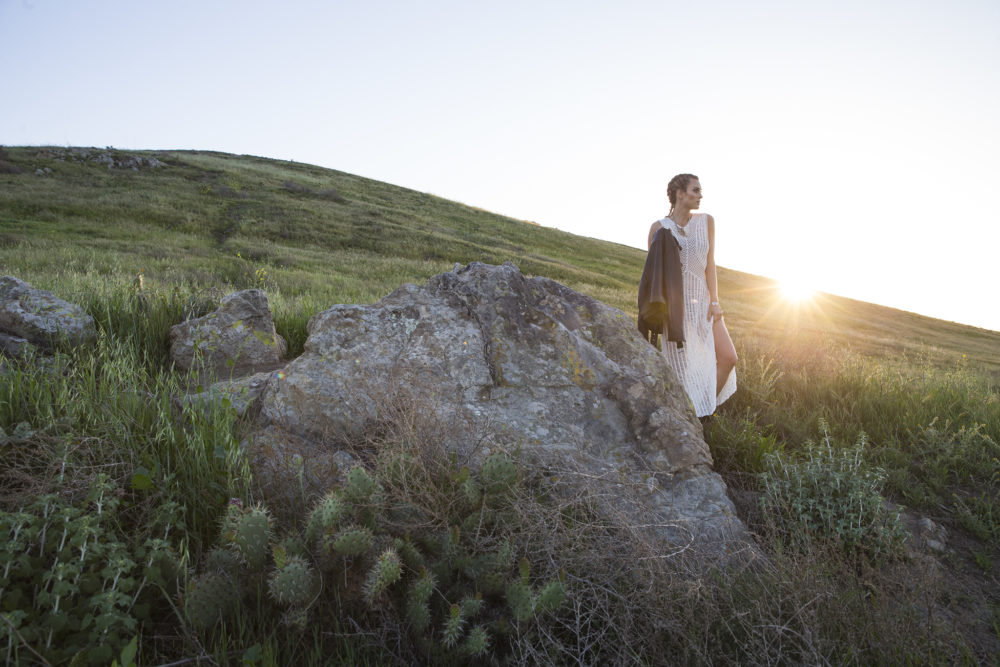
(714, 311)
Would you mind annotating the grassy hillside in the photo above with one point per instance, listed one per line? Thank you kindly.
(909, 404)
(205, 219)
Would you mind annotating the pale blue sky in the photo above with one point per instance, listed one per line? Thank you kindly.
(850, 145)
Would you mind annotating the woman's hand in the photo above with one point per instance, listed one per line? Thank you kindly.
(715, 311)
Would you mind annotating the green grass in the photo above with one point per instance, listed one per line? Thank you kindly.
(923, 394)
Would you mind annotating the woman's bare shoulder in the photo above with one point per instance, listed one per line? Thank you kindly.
(653, 228)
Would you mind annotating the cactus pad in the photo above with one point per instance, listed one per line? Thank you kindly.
(550, 597)
(294, 584)
(422, 587)
(452, 626)
(210, 598)
(477, 643)
(325, 516)
(359, 486)
(351, 541)
(251, 537)
(411, 557)
(385, 572)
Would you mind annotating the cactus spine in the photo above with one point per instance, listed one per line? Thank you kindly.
(385, 572)
(453, 626)
(477, 643)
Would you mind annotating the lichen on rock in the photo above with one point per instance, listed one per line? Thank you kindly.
(236, 338)
(40, 318)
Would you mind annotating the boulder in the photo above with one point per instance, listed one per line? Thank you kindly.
(560, 376)
(14, 347)
(238, 394)
(237, 338)
(40, 318)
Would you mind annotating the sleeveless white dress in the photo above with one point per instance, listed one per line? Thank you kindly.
(694, 363)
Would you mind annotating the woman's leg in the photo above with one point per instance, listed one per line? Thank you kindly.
(725, 353)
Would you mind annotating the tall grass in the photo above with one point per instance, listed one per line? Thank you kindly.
(117, 401)
(935, 431)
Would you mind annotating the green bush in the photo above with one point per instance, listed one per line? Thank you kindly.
(830, 495)
(73, 585)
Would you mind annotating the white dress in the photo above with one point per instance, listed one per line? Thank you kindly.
(694, 363)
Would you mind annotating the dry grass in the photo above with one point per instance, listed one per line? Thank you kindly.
(635, 600)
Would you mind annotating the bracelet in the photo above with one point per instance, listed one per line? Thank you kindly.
(716, 303)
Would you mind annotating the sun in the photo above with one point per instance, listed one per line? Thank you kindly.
(797, 290)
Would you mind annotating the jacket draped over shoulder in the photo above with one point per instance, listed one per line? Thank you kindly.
(661, 291)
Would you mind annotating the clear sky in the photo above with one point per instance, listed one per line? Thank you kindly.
(853, 146)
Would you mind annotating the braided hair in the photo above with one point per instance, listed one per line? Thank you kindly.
(678, 182)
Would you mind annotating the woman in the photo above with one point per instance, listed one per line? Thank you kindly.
(706, 363)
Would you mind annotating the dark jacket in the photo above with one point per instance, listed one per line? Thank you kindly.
(661, 291)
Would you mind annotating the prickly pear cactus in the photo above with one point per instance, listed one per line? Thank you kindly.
(248, 531)
(551, 596)
(359, 486)
(477, 643)
(418, 611)
(210, 598)
(459, 598)
(408, 552)
(385, 572)
(325, 516)
(294, 584)
(296, 618)
(351, 541)
(294, 546)
(222, 561)
(499, 474)
(453, 626)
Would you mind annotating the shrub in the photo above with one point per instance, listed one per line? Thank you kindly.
(73, 585)
(831, 495)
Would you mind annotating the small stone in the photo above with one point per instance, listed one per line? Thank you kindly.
(934, 545)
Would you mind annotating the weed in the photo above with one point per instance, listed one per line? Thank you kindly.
(831, 495)
(74, 584)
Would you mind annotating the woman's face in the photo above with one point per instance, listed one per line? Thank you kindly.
(690, 197)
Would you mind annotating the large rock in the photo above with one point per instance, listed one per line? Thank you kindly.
(236, 338)
(40, 318)
(563, 377)
(14, 347)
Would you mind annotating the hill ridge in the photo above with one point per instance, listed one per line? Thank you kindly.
(209, 217)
